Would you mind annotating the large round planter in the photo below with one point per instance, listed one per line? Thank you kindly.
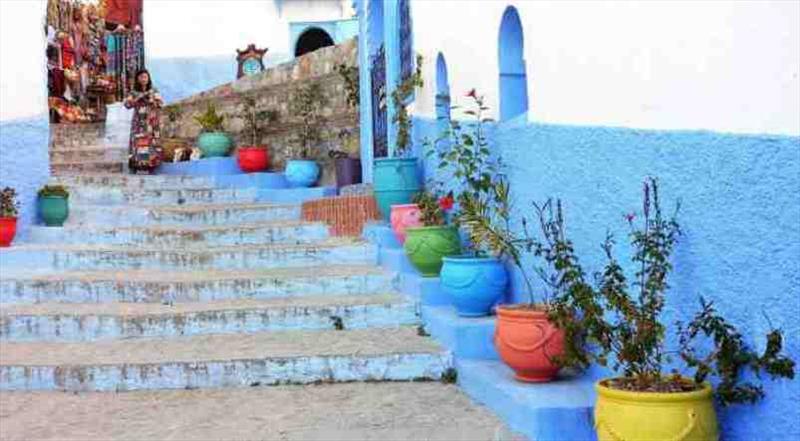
(348, 172)
(8, 229)
(620, 415)
(395, 182)
(214, 144)
(427, 246)
(301, 173)
(475, 284)
(53, 210)
(527, 342)
(403, 217)
(253, 159)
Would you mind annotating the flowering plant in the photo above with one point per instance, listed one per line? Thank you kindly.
(433, 208)
(8, 203)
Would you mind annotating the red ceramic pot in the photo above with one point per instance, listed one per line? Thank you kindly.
(402, 217)
(8, 229)
(527, 342)
(253, 158)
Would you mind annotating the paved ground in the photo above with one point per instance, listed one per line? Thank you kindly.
(356, 411)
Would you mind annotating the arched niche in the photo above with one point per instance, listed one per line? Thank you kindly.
(513, 76)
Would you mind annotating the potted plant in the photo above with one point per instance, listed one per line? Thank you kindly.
(428, 244)
(53, 204)
(477, 280)
(348, 166)
(9, 208)
(306, 103)
(254, 157)
(629, 333)
(396, 180)
(213, 141)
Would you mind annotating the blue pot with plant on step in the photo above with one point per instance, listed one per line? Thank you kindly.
(301, 172)
(395, 182)
(214, 144)
(475, 284)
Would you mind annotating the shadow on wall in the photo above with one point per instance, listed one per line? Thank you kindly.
(25, 164)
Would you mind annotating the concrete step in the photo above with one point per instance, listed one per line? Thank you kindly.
(72, 168)
(105, 321)
(89, 258)
(238, 360)
(181, 215)
(169, 197)
(93, 154)
(159, 286)
(137, 182)
(184, 237)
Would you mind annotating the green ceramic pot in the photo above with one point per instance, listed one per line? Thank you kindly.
(54, 210)
(427, 246)
(214, 144)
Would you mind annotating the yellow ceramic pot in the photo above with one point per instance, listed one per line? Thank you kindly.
(646, 416)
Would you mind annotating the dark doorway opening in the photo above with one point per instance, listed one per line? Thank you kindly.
(311, 40)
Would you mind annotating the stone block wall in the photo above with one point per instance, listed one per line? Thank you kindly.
(272, 90)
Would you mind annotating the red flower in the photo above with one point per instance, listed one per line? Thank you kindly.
(630, 217)
(446, 203)
(472, 93)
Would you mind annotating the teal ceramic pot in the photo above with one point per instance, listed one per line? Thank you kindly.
(475, 284)
(214, 144)
(395, 182)
(301, 173)
(427, 246)
(54, 210)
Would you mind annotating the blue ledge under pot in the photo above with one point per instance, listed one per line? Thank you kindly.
(301, 172)
(475, 284)
(396, 181)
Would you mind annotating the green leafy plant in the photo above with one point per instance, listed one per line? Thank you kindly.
(307, 103)
(400, 98)
(54, 190)
(349, 75)
(9, 207)
(210, 120)
(256, 120)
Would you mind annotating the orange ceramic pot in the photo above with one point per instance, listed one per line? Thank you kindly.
(402, 217)
(8, 229)
(527, 342)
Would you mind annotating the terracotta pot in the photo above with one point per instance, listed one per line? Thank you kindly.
(527, 341)
(404, 216)
(8, 229)
(253, 159)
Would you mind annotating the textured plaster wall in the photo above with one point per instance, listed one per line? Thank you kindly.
(740, 215)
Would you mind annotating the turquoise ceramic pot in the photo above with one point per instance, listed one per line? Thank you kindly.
(54, 210)
(475, 284)
(301, 173)
(396, 181)
(214, 144)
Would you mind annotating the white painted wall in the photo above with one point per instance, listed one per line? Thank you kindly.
(23, 71)
(723, 65)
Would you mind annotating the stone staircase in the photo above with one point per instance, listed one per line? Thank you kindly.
(169, 282)
(85, 148)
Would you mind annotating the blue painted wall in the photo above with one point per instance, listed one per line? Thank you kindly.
(740, 215)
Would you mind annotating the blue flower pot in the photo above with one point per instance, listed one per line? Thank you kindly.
(214, 144)
(395, 182)
(301, 173)
(475, 284)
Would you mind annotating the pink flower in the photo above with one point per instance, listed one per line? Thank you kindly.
(446, 203)
(472, 93)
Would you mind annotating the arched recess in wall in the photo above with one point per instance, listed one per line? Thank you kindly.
(442, 91)
(513, 76)
(311, 40)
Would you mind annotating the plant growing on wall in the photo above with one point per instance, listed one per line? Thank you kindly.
(400, 98)
(210, 120)
(256, 120)
(349, 75)
(307, 103)
(9, 207)
(174, 114)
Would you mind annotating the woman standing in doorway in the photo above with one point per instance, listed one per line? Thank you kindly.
(145, 145)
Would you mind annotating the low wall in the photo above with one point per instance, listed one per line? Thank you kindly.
(272, 90)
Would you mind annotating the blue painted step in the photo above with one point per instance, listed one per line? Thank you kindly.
(170, 197)
(194, 215)
(135, 182)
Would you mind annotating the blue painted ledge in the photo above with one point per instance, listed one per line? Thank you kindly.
(293, 195)
(202, 167)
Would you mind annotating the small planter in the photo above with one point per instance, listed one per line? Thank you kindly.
(527, 342)
(620, 414)
(214, 144)
(348, 172)
(396, 181)
(54, 210)
(475, 284)
(427, 246)
(8, 229)
(404, 217)
(253, 159)
(301, 173)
